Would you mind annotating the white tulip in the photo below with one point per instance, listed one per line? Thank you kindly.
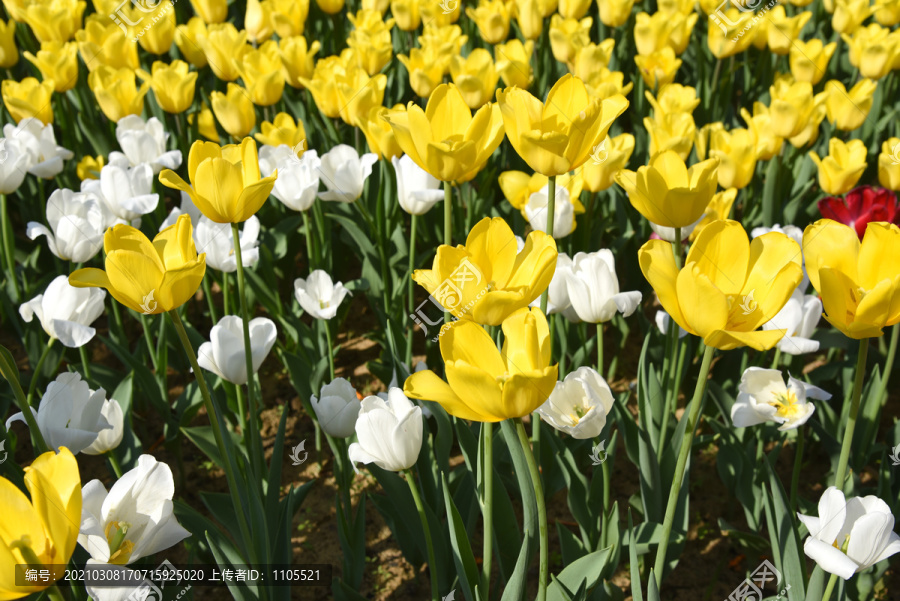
(144, 142)
(796, 234)
(70, 414)
(662, 323)
(270, 156)
(389, 432)
(224, 354)
(45, 158)
(13, 165)
(110, 438)
(799, 316)
(77, 221)
(579, 404)
(344, 172)
(337, 408)
(849, 535)
(764, 397)
(594, 288)
(187, 206)
(536, 211)
(127, 192)
(298, 180)
(66, 312)
(558, 292)
(135, 516)
(318, 295)
(217, 241)
(417, 190)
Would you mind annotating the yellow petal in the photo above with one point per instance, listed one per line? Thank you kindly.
(761, 340)
(827, 243)
(523, 393)
(879, 254)
(426, 386)
(704, 306)
(467, 341)
(55, 486)
(658, 266)
(721, 252)
(478, 389)
(492, 244)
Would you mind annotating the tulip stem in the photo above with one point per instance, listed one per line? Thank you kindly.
(85, 364)
(828, 589)
(488, 507)
(309, 245)
(256, 443)
(551, 213)
(543, 575)
(9, 372)
(798, 459)
(114, 462)
(600, 350)
(326, 324)
(9, 246)
(54, 593)
(35, 375)
(241, 410)
(448, 225)
(777, 359)
(686, 443)
(432, 564)
(676, 247)
(207, 292)
(213, 413)
(854, 411)
(888, 364)
(226, 293)
(414, 220)
(149, 340)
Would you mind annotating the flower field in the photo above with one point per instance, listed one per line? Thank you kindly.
(563, 300)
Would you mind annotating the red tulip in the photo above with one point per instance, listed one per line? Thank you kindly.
(861, 206)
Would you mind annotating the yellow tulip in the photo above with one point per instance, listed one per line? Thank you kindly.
(842, 166)
(284, 130)
(654, 32)
(568, 36)
(591, 58)
(211, 11)
(492, 18)
(445, 139)
(673, 7)
(809, 134)
(371, 40)
(573, 9)
(859, 282)
(887, 12)
(486, 281)
(357, 93)
(847, 110)
(89, 167)
(234, 110)
(559, 135)
(102, 43)
(377, 5)
(206, 124)
(606, 84)
(225, 182)
(9, 54)
(528, 16)
(718, 208)
(322, 85)
(331, 7)
(54, 20)
(436, 12)
(514, 63)
(736, 151)
(703, 137)
(768, 144)
(261, 72)
(518, 186)
(889, 164)
(379, 134)
(849, 15)
(873, 50)
(297, 59)
(667, 192)
(475, 76)
(783, 31)
(791, 105)
(117, 93)
(189, 39)
(16, 9)
(172, 84)
(28, 98)
(445, 42)
(406, 13)
(673, 98)
(659, 67)
(258, 21)
(727, 43)
(57, 62)
(809, 60)
(485, 384)
(614, 152)
(289, 17)
(728, 287)
(615, 13)
(224, 47)
(672, 131)
(158, 29)
(425, 71)
(43, 529)
(148, 277)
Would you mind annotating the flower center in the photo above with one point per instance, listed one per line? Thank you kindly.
(119, 548)
(578, 413)
(786, 403)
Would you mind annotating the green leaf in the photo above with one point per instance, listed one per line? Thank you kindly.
(226, 554)
(515, 588)
(584, 572)
(788, 552)
(636, 593)
(463, 558)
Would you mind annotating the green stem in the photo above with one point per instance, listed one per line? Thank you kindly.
(9, 245)
(117, 319)
(543, 575)
(600, 349)
(9, 372)
(326, 324)
(226, 294)
(795, 476)
(411, 287)
(488, 508)
(54, 593)
(676, 247)
(241, 410)
(207, 292)
(854, 411)
(448, 213)
(776, 360)
(148, 339)
(85, 364)
(828, 589)
(309, 242)
(888, 364)
(683, 455)
(212, 411)
(114, 462)
(551, 213)
(432, 564)
(36, 374)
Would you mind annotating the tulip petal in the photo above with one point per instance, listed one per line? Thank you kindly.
(827, 243)
(178, 286)
(477, 388)
(722, 253)
(658, 266)
(705, 307)
(726, 340)
(879, 254)
(55, 486)
(492, 244)
(426, 386)
(89, 277)
(469, 342)
(133, 276)
(524, 392)
(829, 559)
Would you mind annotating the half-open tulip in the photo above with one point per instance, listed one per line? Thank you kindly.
(57, 62)
(615, 13)
(407, 15)
(103, 42)
(514, 63)
(189, 39)
(579, 405)
(234, 110)
(736, 151)
(224, 354)
(791, 106)
(475, 76)
(768, 143)
(492, 19)
(389, 432)
(211, 11)
(28, 98)
(224, 46)
(65, 312)
(261, 73)
(809, 60)
(117, 93)
(568, 36)
(297, 59)
(889, 164)
(659, 67)
(849, 15)
(848, 109)
(172, 84)
(873, 50)
(842, 166)
(599, 173)
(672, 131)
(764, 397)
(55, 20)
(783, 30)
